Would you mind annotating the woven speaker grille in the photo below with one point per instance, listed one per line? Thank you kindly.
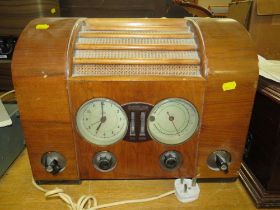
(130, 54)
(140, 70)
(136, 41)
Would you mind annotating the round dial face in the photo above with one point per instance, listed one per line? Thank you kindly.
(172, 121)
(101, 121)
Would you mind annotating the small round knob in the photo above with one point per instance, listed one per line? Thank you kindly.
(170, 160)
(219, 160)
(53, 162)
(104, 161)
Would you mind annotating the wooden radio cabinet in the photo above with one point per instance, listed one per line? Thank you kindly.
(134, 98)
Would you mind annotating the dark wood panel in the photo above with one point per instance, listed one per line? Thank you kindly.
(5, 75)
(16, 14)
(261, 197)
(262, 154)
(261, 167)
(111, 8)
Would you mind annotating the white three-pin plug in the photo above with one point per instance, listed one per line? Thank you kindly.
(186, 190)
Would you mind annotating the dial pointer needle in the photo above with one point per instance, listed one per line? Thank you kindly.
(171, 118)
(102, 110)
(98, 126)
(96, 122)
(103, 118)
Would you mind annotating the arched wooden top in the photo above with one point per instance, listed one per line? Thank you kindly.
(43, 52)
(228, 47)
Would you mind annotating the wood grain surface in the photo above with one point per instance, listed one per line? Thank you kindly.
(231, 56)
(49, 97)
(112, 8)
(183, 35)
(136, 160)
(18, 193)
(38, 69)
(16, 14)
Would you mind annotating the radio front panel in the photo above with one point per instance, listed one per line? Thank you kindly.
(132, 152)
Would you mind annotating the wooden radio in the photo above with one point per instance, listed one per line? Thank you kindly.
(134, 98)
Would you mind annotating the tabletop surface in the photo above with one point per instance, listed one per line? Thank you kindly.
(18, 193)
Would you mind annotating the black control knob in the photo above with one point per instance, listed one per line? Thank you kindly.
(170, 160)
(53, 162)
(104, 161)
(219, 160)
(221, 163)
(53, 167)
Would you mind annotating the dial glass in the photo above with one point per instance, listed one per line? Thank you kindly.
(101, 121)
(172, 121)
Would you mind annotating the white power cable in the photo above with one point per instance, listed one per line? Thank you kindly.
(89, 202)
(7, 93)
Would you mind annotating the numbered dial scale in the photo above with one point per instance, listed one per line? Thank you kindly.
(173, 121)
(102, 121)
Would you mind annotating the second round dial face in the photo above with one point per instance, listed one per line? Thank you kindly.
(172, 121)
(102, 121)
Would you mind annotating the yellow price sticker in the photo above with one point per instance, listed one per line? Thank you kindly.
(42, 26)
(229, 86)
(53, 11)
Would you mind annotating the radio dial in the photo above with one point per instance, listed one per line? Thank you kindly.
(173, 121)
(101, 121)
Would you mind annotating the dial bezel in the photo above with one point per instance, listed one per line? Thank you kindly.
(164, 101)
(96, 141)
